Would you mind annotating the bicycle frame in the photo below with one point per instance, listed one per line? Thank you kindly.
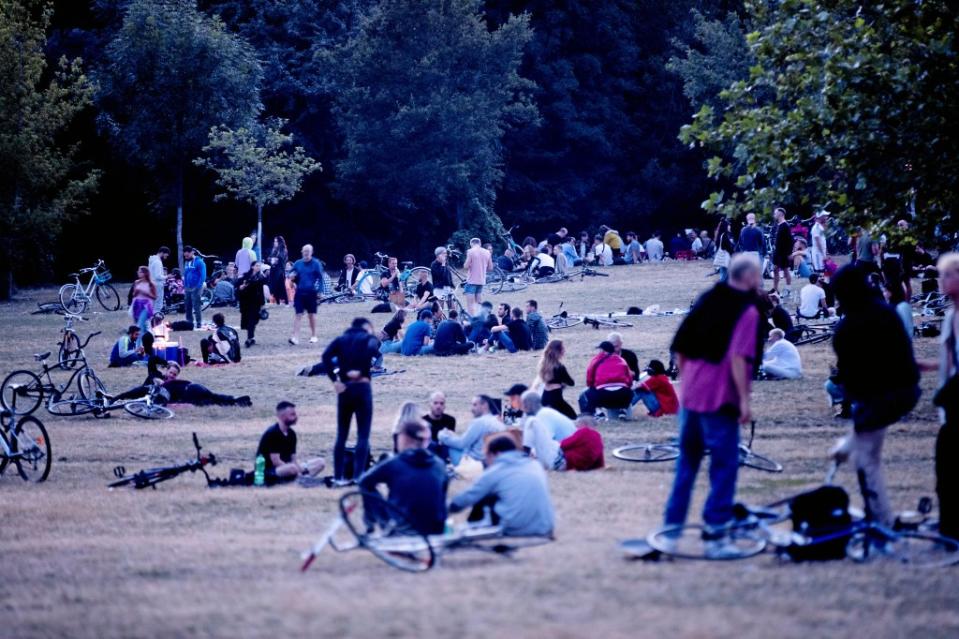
(150, 477)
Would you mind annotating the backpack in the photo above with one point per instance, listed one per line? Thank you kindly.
(227, 345)
(817, 514)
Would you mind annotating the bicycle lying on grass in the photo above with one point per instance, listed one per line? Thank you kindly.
(102, 404)
(653, 452)
(31, 389)
(848, 534)
(564, 319)
(381, 528)
(150, 477)
(25, 444)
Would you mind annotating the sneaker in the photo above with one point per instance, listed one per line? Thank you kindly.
(313, 340)
(244, 401)
(341, 483)
(308, 481)
(246, 344)
(293, 341)
(252, 342)
(722, 549)
(668, 545)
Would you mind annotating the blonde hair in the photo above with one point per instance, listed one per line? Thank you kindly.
(409, 412)
(947, 262)
(550, 360)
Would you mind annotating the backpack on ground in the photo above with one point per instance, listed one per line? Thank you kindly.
(818, 514)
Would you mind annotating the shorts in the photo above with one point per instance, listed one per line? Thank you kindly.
(472, 289)
(442, 292)
(305, 301)
(781, 261)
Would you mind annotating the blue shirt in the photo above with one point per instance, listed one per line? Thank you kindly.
(751, 240)
(570, 252)
(416, 334)
(194, 273)
(307, 274)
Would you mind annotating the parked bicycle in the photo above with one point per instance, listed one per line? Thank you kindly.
(25, 444)
(150, 477)
(76, 297)
(29, 389)
(70, 352)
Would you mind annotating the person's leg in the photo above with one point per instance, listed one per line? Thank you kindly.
(835, 392)
(872, 483)
(775, 278)
(188, 306)
(296, 325)
(463, 349)
(691, 449)
(426, 349)
(364, 420)
(587, 401)
(134, 393)
(506, 341)
(478, 512)
(311, 318)
(723, 273)
(197, 307)
(205, 350)
(775, 372)
(721, 436)
(344, 415)
(648, 398)
(947, 480)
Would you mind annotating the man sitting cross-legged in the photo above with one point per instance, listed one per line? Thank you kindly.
(278, 448)
(514, 488)
(543, 430)
(470, 443)
(416, 479)
(450, 337)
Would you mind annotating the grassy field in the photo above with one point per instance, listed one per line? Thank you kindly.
(185, 561)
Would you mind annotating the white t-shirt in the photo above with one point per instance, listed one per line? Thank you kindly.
(810, 300)
(546, 260)
(654, 249)
(604, 254)
(784, 357)
(817, 255)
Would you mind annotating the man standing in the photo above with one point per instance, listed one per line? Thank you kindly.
(817, 249)
(866, 251)
(278, 448)
(440, 274)
(194, 279)
(654, 248)
(308, 274)
(416, 479)
(715, 347)
(751, 238)
(351, 355)
(158, 274)
(478, 262)
(782, 251)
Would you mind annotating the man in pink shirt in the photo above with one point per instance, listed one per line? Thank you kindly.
(478, 262)
(715, 347)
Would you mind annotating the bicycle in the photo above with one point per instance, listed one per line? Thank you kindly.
(562, 319)
(24, 443)
(605, 321)
(76, 297)
(381, 528)
(102, 404)
(804, 334)
(70, 351)
(582, 273)
(660, 452)
(150, 477)
(31, 388)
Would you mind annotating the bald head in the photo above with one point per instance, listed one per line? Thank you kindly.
(744, 272)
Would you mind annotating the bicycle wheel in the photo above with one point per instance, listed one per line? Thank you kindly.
(108, 297)
(646, 452)
(607, 322)
(687, 542)
(813, 337)
(147, 410)
(415, 274)
(550, 279)
(72, 299)
(495, 280)
(89, 384)
(513, 284)
(70, 407)
(383, 529)
(206, 298)
(751, 459)
(346, 298)
(564, 322)
(21, 392)
(69, 351)
(31, 446)
(922, 550)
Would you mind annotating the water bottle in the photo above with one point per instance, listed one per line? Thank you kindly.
(448, 527)
(259, 471)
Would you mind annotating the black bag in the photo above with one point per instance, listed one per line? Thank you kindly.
(181, 325)
(821, 514)
(349, 458)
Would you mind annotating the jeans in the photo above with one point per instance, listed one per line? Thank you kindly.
(648, 398)
(723, 273)
(697, 432)
(591, 398)
(425, 349)
(191, 298)
(503, 339)
(392, 346)
(867, 452)
(456, 349)
(357, 400)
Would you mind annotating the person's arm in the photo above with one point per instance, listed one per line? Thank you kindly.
(331, 351)
(127, 347)
(375, 476)
(464, 441)
(483, 486)
(741, 368)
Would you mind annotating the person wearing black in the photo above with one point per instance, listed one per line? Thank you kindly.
(250, 294)
(437, 418)
(416, 479)
(423, 292)
(348, 275)
(278, 259)
(278, 448)
(782, 251)
(879, 376)
(450, 338)
(780, 318)
(440, 274)
(181, 391)
(154, 361)
(223, 347)
(519, 331)
(554, 377)
(947, 399)
(347, 361)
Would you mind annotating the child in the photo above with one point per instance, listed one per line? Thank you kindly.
(656, 391)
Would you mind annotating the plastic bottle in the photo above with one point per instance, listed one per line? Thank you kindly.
(259, 471)
(448, 527)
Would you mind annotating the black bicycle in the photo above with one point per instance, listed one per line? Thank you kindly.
(23, 391)
(25, 444)
(150, 477)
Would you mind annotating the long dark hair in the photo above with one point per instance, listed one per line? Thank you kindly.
(281, 244)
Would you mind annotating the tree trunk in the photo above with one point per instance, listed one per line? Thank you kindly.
(179, 217)
(259, 230)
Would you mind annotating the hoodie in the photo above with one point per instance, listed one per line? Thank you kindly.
(537, 329)
(245, 257)
(521, 493)
(417, 483)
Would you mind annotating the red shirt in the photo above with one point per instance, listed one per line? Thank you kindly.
(583, 450)
(665, 393)
(606, 369)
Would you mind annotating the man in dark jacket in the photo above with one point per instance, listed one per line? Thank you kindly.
(347, 361)
(451, 338)
(416, 479)
(782, 251)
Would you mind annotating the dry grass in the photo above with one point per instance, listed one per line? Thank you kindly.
(185, 561)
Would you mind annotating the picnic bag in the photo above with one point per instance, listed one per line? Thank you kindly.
(820, 514)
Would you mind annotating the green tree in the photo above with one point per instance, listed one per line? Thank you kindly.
(847, 107)
(255, 165)
(41, 183)
(424, 95)
(173, 73)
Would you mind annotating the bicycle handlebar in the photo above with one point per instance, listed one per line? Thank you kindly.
(89, 337)
(74, 316)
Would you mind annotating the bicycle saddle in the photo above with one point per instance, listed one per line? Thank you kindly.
(407, 265)
(73, 275)
(41, 356)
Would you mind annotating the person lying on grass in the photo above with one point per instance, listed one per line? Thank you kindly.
(415, 477)
(278, 448)
(181, 391)
(514, 489)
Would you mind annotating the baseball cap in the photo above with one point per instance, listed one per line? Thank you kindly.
(606, 346)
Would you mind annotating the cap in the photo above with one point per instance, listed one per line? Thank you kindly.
(516, 389)
(606, 346)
